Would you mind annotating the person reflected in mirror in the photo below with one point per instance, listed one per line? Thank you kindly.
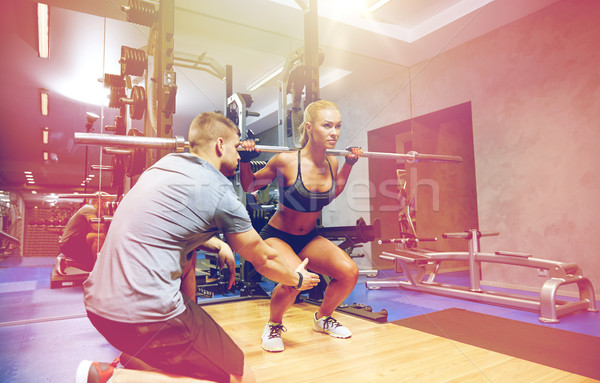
(82, 239)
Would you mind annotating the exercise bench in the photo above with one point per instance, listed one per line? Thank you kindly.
(413, 263)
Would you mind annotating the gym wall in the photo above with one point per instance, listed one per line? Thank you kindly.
(534, 90)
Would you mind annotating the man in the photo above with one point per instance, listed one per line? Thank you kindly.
(133, 296)
(81, 239)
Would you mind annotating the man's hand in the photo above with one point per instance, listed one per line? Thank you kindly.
(227, 258)
(309, 280)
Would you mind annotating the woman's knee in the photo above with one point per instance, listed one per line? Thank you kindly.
(346, 271)
(286, 290)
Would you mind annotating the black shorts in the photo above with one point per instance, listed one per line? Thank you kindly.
(296, 242)
(191, 344)
(77, 249)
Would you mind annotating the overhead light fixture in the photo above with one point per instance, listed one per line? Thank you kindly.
(43, 31)
(45, 156)
(44, 101)
(45, 135)
(91, 118)
(378, 4)
(265, 78)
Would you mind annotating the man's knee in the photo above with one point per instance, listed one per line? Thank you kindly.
(247, 377)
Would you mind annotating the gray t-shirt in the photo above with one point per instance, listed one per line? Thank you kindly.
(78, 225)
(177, 204)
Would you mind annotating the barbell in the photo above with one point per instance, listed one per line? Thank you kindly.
(179, 144)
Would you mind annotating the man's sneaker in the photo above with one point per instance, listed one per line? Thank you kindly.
(61, 264)
(95, 372)
(329, 325)
(271, 337)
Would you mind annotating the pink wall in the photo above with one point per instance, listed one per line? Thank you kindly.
(534, 88)
(535, 92)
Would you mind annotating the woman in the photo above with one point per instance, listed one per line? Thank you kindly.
(308, 180)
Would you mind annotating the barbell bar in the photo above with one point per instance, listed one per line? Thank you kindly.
(406, 240)
(87, 195)
(179, 145)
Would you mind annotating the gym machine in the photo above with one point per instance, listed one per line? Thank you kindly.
(415, 263)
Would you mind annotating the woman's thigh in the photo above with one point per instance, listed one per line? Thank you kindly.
(324, 257)
(284, 250)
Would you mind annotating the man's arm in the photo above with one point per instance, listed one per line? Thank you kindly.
(268, 262)
(225, 256)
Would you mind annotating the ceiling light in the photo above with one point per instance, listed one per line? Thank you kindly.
(44, 102)
(42, 13)
(33, 192)
(91, 118)
(45, 135)
(377, 5)
(27, 172)
(45, 156)
(265, 78)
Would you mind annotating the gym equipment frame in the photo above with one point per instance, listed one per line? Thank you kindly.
(414, 261)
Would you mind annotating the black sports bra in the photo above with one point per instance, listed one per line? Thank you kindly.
(299, 198)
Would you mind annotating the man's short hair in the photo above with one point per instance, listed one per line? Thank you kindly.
(207, 127)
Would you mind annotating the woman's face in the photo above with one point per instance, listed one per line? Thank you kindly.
(325, 129)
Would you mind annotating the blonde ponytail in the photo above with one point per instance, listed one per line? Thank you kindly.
(303, 134)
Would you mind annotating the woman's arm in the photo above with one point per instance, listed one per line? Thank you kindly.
(254, 181)
(344, 172)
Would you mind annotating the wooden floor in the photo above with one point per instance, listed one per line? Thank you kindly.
(375, 353)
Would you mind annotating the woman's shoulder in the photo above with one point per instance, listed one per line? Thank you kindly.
(284, 158)
(333, 160)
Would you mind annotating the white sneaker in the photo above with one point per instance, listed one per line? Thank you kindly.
(271, 337)
(329, 325)
(61, 264)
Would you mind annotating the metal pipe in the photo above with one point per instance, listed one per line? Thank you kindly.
(180, 144)
(105, 168)
(125, 141)
(113, 151)
(87, 195)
